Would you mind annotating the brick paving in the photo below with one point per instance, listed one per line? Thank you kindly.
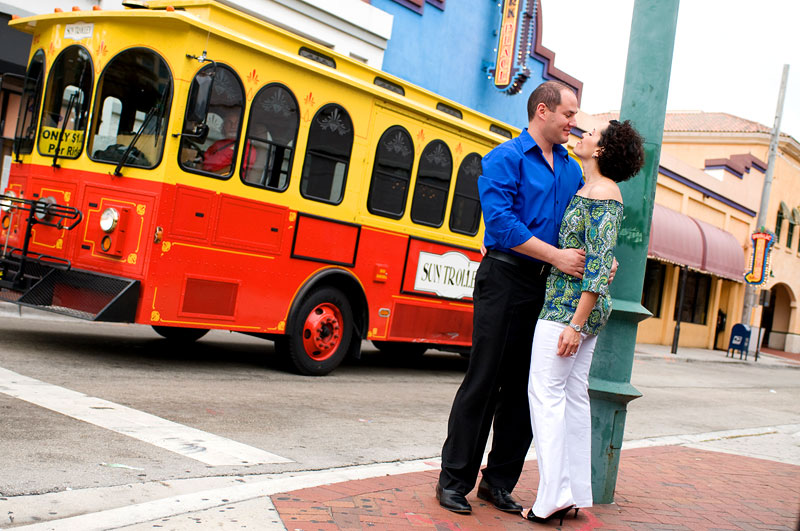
(781, 354)
(661, 488)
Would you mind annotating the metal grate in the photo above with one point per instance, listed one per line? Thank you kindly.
(84, 295)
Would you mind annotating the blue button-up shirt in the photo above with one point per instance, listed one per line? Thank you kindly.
(522, 196)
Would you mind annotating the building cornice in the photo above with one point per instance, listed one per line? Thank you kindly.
(787, 144)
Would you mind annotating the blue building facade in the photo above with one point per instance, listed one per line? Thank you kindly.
(450, 47)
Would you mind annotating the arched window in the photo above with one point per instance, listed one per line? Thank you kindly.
(465, 216)
(131, 109)
(210, 141)
(330, 142)
(66, 104)
(271, 136)
(29, 105)
(433, 184)
(391, 173)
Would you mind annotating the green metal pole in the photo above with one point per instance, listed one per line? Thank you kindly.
(644, 103)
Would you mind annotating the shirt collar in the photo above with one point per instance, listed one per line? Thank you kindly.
(529, 143)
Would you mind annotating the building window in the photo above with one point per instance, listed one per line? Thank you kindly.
(271, 135)
(790, 234)
(465, 216)
(778, 225)
(330, 141)
(388, 189)
(653, 287)
(695, 297)
(433, 185)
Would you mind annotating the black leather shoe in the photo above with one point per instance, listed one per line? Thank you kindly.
(452, 500)
(499, 497)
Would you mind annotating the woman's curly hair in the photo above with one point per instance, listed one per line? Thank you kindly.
(622, 153)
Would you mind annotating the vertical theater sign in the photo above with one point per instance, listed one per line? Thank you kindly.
(759, 266)
(514, 45)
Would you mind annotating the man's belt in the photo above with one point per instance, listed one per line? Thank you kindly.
(539, 268)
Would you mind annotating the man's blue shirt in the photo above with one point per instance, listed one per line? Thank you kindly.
(521, 196)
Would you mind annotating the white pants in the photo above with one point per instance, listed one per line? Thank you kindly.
(558, 394)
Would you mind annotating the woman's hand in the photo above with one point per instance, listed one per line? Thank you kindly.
(568, 342)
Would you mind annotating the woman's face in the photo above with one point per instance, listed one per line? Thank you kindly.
(587, 145)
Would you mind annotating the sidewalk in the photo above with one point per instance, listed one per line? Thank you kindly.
(670, 487)
(767, 357)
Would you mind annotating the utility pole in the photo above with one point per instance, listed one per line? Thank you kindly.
(761, 221)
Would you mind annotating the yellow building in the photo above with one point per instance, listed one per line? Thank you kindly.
(708, 193)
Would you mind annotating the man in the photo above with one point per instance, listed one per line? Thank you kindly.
(524, 190)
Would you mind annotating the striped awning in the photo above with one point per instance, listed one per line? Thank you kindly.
(785, 212)
(683, 240)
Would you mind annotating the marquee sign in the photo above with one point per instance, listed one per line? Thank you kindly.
(759, 269)
(514, 45)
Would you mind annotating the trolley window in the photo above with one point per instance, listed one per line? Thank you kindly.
(66, 104)
(29, 105)
(391, 173)
(213, 152)
(131, 109)
(433, 185)
(271, 136)
(465, 216)
(330, 142)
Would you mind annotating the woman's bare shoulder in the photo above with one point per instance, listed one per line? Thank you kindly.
(604, 190)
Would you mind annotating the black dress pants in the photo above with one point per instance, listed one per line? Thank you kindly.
(507, 301)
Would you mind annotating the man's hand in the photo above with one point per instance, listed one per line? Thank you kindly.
(614, 266)
(570, 261)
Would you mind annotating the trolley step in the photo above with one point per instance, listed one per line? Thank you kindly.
(85, 295)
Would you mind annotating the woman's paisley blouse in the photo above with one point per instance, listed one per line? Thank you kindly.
(592, 225)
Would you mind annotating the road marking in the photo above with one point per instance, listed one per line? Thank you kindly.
(253, 487)
(189, 442)
(157, 510)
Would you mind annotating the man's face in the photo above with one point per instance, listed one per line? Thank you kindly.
(559, 123)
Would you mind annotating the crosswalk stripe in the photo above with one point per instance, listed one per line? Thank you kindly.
(190, 442)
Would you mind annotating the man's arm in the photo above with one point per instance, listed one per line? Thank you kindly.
(570, 261)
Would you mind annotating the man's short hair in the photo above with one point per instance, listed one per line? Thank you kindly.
(548, 93)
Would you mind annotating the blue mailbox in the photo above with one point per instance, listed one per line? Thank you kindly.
(740, 340)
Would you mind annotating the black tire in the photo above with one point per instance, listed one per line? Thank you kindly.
(401, 349)
(320, 332)
(182, 335)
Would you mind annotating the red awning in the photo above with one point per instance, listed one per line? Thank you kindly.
(683, 240)
(675, 238)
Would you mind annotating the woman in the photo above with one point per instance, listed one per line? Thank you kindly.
(574, 311)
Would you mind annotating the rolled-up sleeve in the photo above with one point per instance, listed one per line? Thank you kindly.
(601, 227)
(498, 187)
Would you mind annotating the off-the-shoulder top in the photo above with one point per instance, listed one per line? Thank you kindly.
(592, 225)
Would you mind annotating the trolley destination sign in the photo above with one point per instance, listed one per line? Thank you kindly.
(450, 275)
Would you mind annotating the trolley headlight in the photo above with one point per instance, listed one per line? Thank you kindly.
(6, 205)
(109, 219)
(41, 208)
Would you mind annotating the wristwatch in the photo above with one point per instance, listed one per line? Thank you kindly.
(575, 327)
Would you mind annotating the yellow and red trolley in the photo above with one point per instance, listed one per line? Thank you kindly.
(190, 167)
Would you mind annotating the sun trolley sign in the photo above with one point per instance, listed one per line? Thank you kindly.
(759, 269)
(450, 275)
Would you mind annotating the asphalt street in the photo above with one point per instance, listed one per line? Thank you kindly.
(378, 416)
